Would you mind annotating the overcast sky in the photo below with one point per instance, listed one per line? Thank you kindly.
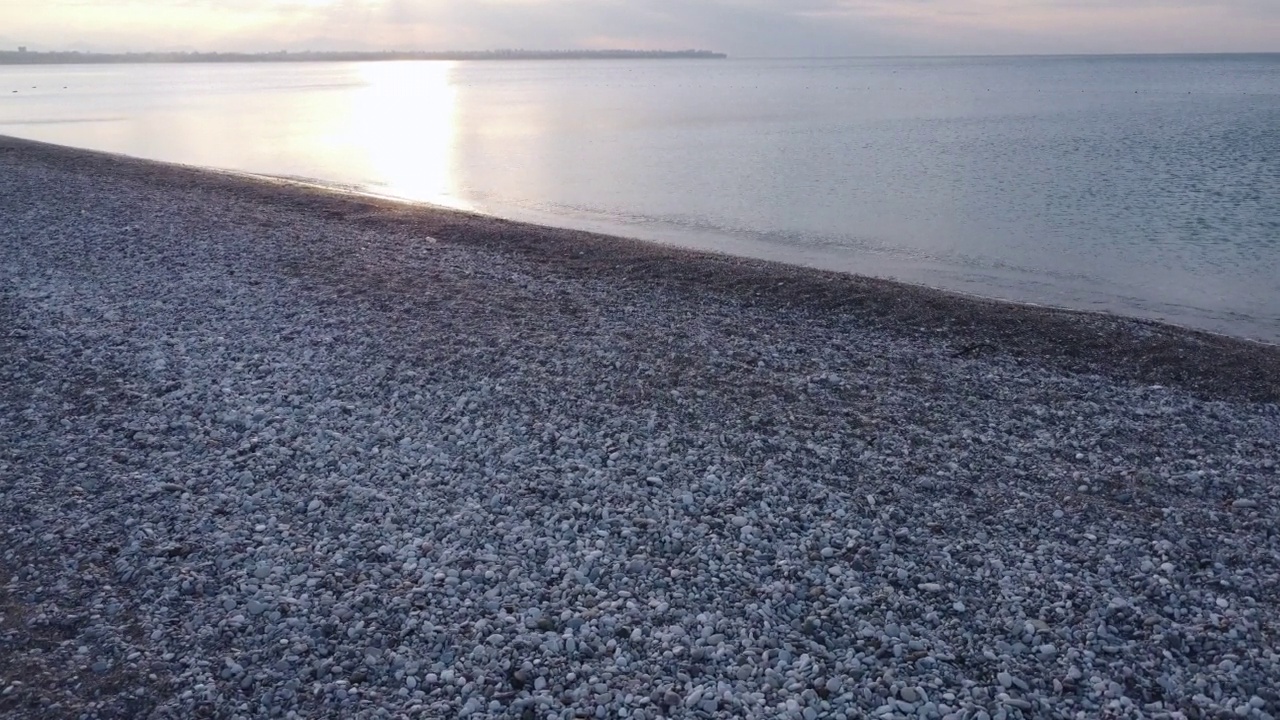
(739, 27)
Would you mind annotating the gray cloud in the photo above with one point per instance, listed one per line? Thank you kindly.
(850, 27)
(740, 27)
(771, 28)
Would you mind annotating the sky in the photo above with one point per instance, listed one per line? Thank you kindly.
(769, 28)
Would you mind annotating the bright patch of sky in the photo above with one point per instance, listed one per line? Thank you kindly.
(739, 27)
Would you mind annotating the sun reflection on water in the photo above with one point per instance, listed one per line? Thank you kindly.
(403, 119)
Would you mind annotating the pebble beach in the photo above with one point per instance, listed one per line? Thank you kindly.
(271, 451)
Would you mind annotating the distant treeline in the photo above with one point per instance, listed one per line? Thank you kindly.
(47, 58)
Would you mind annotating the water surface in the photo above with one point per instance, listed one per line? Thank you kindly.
(1148, 186)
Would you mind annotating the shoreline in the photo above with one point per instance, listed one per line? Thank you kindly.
(341, 189)
(1075, 340)
(276, 452)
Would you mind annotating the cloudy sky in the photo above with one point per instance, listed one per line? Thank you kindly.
(740, 27)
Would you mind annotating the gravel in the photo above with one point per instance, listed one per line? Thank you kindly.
(272, 452)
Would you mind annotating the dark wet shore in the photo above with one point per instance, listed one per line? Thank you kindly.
(1113, 346)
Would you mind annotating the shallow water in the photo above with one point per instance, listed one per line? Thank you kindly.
(1143, 185)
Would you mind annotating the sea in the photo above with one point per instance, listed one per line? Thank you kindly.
(1147, 186)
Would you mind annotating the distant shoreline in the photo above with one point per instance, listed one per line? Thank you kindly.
(75, 57)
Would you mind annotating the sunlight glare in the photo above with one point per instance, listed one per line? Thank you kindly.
(404, 117)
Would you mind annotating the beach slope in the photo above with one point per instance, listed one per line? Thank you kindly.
(270, 449)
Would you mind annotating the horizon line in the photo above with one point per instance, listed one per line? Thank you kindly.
(21, 50)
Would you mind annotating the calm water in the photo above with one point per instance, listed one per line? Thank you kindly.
(1148, 186)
